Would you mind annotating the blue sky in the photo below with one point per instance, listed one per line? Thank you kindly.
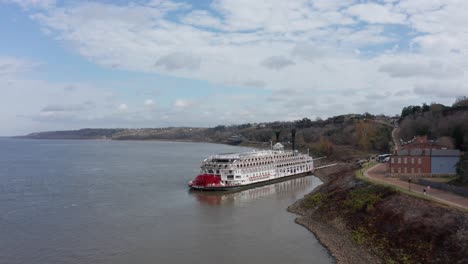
(155, 63)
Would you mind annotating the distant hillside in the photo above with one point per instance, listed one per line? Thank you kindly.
(437, 121)
(344, 137)
(87, 133)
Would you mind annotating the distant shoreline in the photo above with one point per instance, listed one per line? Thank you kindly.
(259, 145)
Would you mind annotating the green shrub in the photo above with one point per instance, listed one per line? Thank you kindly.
(360, 235)
(362, 198)
(314, 200)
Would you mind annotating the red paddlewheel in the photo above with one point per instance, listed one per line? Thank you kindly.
(206, 179)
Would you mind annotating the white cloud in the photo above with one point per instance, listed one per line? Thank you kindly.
(11, 66)
(29, 104)
(33, 4)
(438, 90)
(178, 61)
(377, 14)
(277, 62)
(149, 102)
(122, 107)
(431, 69)
(183, 103)
(69, 107)
(202, 18)
(331, 5)
(311, 45)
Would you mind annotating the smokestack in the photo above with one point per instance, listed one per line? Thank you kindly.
(293, 136)
(277, 133)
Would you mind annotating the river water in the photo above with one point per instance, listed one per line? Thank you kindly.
(127, 202)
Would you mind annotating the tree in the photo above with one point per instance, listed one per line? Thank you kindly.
(462, 168)
(461, 101)
(219, 128)
(324, 147)
(304, 123)
(435, 107)
(426, 108)
(410, 110)
(459, 135)
(368, 115)
(364, 132)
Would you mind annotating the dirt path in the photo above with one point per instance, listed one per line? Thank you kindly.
(378, 173)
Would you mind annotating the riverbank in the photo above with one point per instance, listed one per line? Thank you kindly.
(361, 222)
(333, 235)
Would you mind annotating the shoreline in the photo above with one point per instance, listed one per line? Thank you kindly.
(247, 144)
(333, 236)
(362, 222)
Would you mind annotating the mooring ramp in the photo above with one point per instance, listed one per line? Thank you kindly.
(326, 166)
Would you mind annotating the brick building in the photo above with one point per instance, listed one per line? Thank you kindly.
(422, 157)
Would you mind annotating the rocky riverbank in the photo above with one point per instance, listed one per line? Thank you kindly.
(361, 222)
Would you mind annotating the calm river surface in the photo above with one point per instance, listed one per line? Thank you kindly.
(127, 202)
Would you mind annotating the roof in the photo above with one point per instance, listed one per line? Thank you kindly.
(278, 146)
(446, 152)
(429, 152)
(413, 152)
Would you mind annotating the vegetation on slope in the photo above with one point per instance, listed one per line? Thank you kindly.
(346, 137)
(393, 226)
(436, 121)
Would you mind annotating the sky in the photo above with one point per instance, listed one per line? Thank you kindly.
(158, 63)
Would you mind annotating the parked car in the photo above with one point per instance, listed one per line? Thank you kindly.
(383, 157)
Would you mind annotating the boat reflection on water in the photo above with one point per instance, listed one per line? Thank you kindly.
(297, 188)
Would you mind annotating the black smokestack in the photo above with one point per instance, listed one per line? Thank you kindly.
(293, 137)
(277, 134)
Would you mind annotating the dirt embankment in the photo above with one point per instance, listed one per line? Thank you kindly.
(361, 222)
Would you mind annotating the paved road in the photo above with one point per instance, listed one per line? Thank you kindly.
(377, 173)
(396, 141)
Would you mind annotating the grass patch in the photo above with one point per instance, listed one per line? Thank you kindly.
(363, 198)
(314, 200)
(360, 236)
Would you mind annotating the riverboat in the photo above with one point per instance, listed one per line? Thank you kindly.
(237, 170)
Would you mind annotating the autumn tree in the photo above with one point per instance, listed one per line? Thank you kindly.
(364, 132)
(324, 146)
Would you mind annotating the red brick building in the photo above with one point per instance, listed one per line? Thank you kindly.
(421, 157)
(410, 161)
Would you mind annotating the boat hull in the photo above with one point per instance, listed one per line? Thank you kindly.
(249, 185)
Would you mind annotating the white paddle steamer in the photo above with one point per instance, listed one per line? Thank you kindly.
(236, 170)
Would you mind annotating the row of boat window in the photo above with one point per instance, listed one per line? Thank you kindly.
(254, 164)
(265, 163)
(264, 167)
(272, 157)
(292, 170)
(244, 165)
(289, 164)
(269, 157)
